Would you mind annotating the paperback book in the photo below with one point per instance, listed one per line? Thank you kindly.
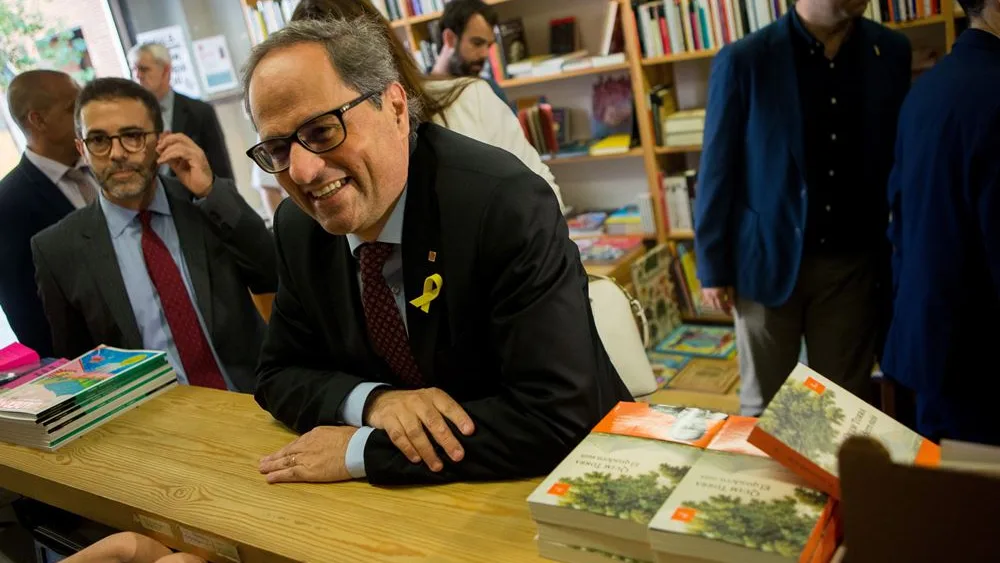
(809, 419)
(734, 507)
(66, 402)
(615, 479)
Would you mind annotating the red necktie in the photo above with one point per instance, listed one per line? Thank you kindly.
(194, 349)
(385, 325)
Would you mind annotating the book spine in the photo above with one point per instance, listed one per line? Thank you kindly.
(817, 477)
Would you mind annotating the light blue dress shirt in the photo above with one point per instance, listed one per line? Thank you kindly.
(126, 238)
(352, 410)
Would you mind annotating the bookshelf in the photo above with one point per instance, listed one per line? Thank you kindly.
(644, 73)
(527, 81)
(632, 153)
(687, 72)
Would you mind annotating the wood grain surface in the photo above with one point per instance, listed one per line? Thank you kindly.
(183, 469)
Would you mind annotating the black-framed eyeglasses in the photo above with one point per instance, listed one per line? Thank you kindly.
(318, 135)
(132, 141)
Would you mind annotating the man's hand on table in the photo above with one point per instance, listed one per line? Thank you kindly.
(406, 416)
(318, 456)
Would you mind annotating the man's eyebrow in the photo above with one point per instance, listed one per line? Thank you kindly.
(283, 135)
(125, 129)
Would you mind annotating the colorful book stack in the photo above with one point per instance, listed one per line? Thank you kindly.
(47, 408)
(679, 484)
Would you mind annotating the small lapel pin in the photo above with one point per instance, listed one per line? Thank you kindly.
(432, 256)
(877, 52)
(432, 287)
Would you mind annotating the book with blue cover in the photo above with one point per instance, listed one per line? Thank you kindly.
(700, 341)
(66, 402)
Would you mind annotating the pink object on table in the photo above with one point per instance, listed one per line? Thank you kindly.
(16, 355)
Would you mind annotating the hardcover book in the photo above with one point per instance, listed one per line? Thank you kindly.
(707, 375)
(701, 341)
(666, 366)
(810, 417)
(651, 278)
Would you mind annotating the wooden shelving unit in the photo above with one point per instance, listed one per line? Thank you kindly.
(643, 73)
(932, 20)
(527, 81)
(680, 57)
(689, 149)
(717, 319)
(632, 153)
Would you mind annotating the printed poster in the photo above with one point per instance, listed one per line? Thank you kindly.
(214, 64)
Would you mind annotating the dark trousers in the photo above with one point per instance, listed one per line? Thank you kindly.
(835, 307)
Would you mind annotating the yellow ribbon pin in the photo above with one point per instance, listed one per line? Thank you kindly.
(432, 287)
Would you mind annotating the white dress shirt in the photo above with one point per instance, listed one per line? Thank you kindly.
(56, 172)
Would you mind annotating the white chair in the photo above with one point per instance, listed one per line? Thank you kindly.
(618, 317)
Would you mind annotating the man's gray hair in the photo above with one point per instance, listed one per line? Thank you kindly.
(158, 51)
(358, 49)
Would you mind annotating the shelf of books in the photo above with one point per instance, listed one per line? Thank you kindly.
(612, 94)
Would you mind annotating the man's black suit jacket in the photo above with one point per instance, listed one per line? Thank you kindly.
(29, 202)
(229, 254)
(197, 120)
(511, 335)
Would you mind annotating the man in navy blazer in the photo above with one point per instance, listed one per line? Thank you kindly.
(945, 198)
(44, 187)
(790, 214)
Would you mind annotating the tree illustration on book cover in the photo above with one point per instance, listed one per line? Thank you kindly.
(629, 497)
(775, 526)
(806, 421)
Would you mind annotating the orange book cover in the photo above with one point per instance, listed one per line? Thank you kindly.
(684, 425)
(734, 437)
(810, 417)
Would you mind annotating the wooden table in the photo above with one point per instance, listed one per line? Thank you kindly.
(183, 469)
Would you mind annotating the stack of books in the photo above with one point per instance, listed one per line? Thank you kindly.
(48, 408)
(681, 484)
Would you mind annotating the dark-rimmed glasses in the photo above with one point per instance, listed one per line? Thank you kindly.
(318, 135)
(131, 141)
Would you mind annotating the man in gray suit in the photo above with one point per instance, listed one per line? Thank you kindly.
(155, 263)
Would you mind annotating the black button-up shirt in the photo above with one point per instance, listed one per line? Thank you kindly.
(830, 92)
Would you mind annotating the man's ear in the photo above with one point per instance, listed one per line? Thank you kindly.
(80, 148)
(450, 38)
(36, 120)
(395, 100)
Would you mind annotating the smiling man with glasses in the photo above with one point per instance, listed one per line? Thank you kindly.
(161, 263)
(432, 323)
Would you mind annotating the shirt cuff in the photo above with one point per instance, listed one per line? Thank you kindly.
(352, 410)
(354, 459)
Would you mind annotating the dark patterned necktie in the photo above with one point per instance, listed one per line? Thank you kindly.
(192, 346)
(382, 317)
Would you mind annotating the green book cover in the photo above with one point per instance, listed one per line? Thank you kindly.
(734, 507)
